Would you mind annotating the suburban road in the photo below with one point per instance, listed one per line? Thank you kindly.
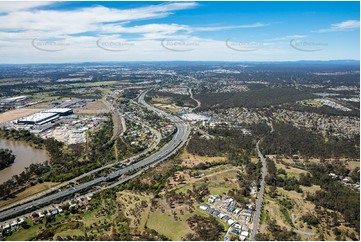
(179, 139)
(257, 213)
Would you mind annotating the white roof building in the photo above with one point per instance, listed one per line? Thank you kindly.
(38, 118)
(230, 222)
(245, 233)
(203, 207)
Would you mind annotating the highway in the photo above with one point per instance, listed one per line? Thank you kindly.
(74, 180)
(257, 213)
(178, 140)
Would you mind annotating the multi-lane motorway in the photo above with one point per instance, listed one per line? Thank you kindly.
(179, 138)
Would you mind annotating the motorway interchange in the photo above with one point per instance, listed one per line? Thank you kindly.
(178, 140)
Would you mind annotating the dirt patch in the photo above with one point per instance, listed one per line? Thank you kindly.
(191, 160)
(93, 108)
(168, 107)
(17, 113)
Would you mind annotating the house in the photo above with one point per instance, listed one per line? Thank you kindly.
(202, 207)
(221, 215)
(333, 175)
(210, 210)
(231, 209)
(235, 231)
(247, 212)
(14, 225)
(238, 226)
(236, 211)
(71, 205)
(227, 238)
(21, 220)
(36, 219)
(253, 190)
(54, 212)
(211, 199)
(244, 233)
(41, 215)
(60, 210)
(216, 212)
(6, 226)
(230, 221)
(242, 238)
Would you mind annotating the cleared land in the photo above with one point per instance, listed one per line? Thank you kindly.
(170, 218)
(170, 222)
(291, 218)
(191, 160)
(17, 113)
(93, 108)
(168, 107)
(291, 171)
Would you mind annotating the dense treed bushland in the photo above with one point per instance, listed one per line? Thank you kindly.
(6, 158)
(289, 140)
(205, 228)
(226, 140)
(173, 98)
(251, 99)
(332, 195)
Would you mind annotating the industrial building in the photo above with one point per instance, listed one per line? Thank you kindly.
(14, 99)
(60, 111)
(38, 118)
(195, 117)
(69, 103)
(45, 116)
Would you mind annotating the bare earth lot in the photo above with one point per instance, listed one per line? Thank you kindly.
(93, 108)
(17, 113)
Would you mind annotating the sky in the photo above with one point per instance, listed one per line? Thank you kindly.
(68, 32)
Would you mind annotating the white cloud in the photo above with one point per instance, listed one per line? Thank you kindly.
(289, 37)
(255, 25)
(30, 24)
(81, 29)
(83, 20)
(10, 6)
(348, 25)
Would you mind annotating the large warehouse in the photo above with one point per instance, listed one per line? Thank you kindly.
(13, 99)
(60, 111)
(45, 116)
(38, 118)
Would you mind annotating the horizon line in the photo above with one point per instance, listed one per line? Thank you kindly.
(162, 61)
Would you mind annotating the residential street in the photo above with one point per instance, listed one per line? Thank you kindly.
(259, 201)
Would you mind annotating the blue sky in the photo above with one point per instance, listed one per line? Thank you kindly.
(55, 32)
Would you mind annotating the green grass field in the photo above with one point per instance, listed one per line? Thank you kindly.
(165, 224)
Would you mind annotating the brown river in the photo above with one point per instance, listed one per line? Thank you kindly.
(25, 155)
